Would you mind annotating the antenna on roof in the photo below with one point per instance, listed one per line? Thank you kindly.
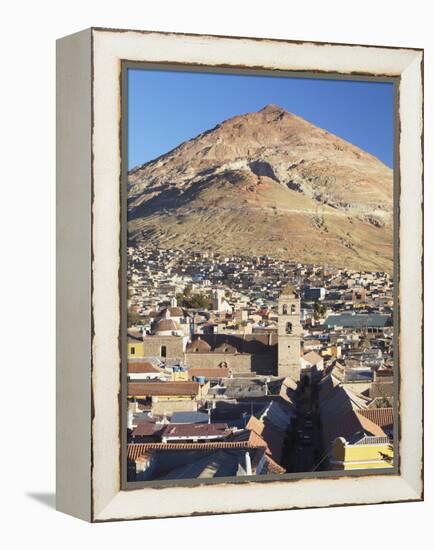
(244, 415)
(209, 413)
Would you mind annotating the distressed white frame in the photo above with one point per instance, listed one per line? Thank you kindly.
(89, 477)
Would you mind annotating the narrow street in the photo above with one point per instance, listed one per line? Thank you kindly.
(304, 441)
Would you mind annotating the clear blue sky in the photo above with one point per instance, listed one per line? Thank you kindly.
(166, 108)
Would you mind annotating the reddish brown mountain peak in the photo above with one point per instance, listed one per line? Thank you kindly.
(273, 108)
(272, 184)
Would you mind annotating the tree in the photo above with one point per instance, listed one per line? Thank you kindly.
(134, 318)
(193, 300)
(319, 310)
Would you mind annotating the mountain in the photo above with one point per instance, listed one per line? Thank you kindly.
(267, 182)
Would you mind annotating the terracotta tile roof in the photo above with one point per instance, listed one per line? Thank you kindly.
(195, 430)
(348, 424)
(166, 325)
(141, 367)
(249, 436)
(256, 440)
(369, 426)
(255, 425)
(313, 358)
(382, 417)
(198, 346)
(146, 429)
(338, 406)
(162, 388)
(135, 450)
(273, 467)
(208, 372)
(373, 440)
(273, 438)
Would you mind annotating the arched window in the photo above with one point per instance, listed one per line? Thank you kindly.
(284, 309)
(288, 328)
(293, 309)
(163, 351)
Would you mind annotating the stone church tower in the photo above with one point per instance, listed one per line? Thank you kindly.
(289, 334)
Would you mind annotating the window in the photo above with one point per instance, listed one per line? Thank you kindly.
(293, 309)
(133, 351)
(288, 328)
(284, 309)
(163, 351)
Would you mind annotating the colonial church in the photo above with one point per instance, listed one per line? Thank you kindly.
(265, 354)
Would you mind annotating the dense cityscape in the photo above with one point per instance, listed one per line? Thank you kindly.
(243, 366)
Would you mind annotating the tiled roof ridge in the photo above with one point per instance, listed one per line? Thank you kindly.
(374, 440)
(369, 425)
(137, 449)
(274, 466)
(381, 416)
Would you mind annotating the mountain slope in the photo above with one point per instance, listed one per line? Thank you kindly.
(267, 183)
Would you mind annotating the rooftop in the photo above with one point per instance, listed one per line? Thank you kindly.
(208, 372)
(142, 367)
(382, 417)
(195, 430)
(359, 320)
(165, 325)
(135, 450)
(162, 388)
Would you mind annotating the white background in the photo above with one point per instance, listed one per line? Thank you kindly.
(28, 33)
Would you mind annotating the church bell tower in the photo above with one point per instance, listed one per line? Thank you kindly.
(289, 334)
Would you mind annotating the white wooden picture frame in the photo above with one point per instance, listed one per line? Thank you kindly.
(89, 478)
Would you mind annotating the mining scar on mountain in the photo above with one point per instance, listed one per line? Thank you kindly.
(267, 183)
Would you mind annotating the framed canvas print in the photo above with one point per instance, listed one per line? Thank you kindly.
(239, 267)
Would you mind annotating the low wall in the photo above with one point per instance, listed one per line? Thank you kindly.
(169, 407)
(237, 362)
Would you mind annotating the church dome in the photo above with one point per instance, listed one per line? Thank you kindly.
(166, 325)
(198, 345)
(225, 348)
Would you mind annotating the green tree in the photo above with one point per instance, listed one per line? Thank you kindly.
(191, 300)
(134, 318)
(319, 310)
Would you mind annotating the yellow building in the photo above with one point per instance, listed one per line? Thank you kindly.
(332, 351)
(366, 453)
(168, 391)
(179, 375)
(168, 397)
(136, 349)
